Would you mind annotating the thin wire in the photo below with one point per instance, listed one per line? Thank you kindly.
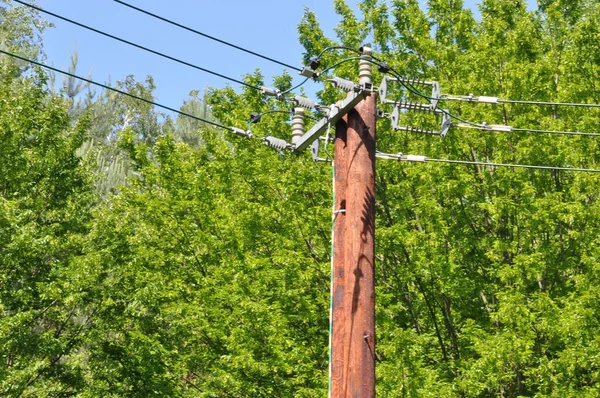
(339, 63)
(206, 35)
(116, 90)
(449, 97)
(422, 159)
(558, 132)
(138, 46)
(549, 103)
(509, 129)
(524, 166)
(292, 88)
(332, 272)
(354, 50)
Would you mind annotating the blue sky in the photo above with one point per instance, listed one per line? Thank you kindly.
(264, 26)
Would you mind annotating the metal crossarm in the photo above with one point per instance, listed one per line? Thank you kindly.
(335, 114)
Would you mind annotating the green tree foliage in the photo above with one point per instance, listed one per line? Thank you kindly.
(487, 277)
(207, 275)
(44, 210)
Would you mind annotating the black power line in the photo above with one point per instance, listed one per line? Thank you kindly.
(118, 91)
(206, 35)
(138, 46)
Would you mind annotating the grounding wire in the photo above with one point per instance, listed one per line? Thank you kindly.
(424, 159)
(137, 45)
(116, 90)
(206, 35)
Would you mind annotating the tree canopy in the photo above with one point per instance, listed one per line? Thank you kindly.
(142, 256)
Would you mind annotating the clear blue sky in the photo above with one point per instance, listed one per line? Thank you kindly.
(264, 26)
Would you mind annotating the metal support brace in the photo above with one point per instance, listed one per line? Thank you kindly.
(335, 114)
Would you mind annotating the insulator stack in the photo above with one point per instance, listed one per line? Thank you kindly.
(305, 102)
(414, 81)
(412, 129)
(344, 84)
(297, 124)
(364, 66)
(276, 143)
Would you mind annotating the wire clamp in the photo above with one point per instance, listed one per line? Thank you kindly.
(248, 134)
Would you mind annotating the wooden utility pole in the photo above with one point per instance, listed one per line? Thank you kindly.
(353, 307)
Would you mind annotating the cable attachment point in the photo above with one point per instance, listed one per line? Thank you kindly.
(382, 115)
(446, 124)
(310, 73)
(315, 63)
(304, 102)
(384, 68)
(255, 117)
(243, 133)
(315, 148)
(435, 95)
(344, 84)
(276, 143)
(272, 92)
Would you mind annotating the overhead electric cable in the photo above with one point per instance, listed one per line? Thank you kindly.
(206, 35)
(508, 129)
(496, 100)
(424, 159)
(138, 46)
(232, 129)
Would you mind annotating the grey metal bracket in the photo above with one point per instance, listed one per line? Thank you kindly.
(336, 112)
(315, 149)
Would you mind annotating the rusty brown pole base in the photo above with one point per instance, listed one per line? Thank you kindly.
(353, 314)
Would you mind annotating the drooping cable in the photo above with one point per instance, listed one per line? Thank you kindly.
(138, 45)
(206, 35)
(119, 91)
(424, 159)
